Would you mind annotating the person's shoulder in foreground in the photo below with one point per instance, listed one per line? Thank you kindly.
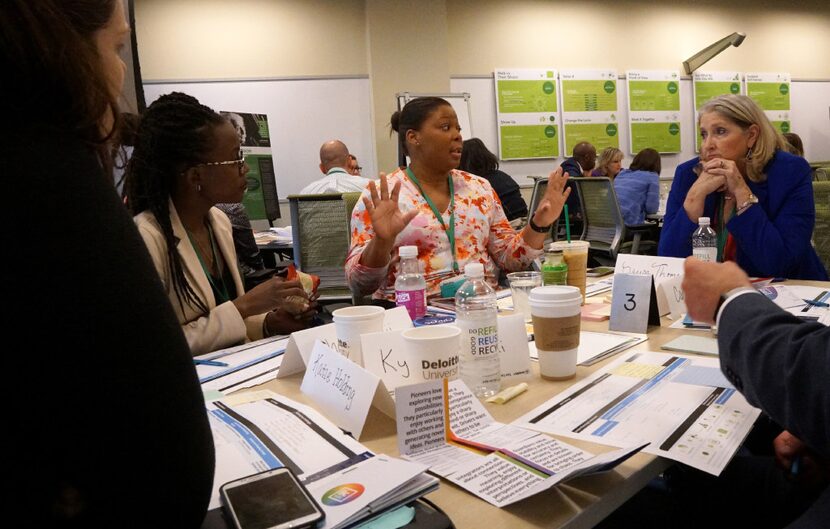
(117, 426)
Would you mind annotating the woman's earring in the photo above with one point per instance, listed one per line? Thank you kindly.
(749, 153)
(198, 188)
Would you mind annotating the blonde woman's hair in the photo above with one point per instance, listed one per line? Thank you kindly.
(743, 111)
(608, 155)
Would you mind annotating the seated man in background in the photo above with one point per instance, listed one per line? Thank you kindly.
(334, 163)
(354, 166)
(781, 364)
(580, 164)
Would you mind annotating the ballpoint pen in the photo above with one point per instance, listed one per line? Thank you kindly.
(214, 363)
(816, 299)
(815, 303)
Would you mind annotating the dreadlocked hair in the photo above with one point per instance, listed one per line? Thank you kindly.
(175, 134)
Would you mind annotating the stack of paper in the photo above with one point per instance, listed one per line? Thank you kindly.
(253, 432)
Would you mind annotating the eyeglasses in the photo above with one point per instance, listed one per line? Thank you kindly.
(240, 162)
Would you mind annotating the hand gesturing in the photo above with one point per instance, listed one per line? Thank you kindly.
(387, 218)
(550, 206)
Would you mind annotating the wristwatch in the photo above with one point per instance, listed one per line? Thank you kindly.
(538, 229)
(752, 199)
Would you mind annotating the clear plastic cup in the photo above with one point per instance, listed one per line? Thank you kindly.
(521, 283)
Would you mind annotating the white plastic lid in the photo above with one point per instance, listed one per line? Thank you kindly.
(408, 251)
(474, 270)
(703, 221)
(555, 294)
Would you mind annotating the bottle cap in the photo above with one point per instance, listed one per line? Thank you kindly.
(703, 220)
(408, 251)
(474, 270)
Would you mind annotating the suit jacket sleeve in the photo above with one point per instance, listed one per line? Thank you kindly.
(780, 364)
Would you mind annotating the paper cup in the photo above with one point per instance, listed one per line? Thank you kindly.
(432, 352)
(556, 326)
(576, 257)
(350, 323)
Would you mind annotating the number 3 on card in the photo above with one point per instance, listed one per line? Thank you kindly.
(628, 312)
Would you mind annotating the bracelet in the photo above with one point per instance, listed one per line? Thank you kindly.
(538, 229)
(750, 201)
(266, 332)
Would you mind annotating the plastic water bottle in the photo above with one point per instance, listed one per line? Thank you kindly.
(476, 314)
(554, 269)
(410, 287)
(705, 241)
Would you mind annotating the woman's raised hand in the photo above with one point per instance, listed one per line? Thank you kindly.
(552, 202)
(387, 218)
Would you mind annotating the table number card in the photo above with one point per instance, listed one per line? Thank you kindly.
(661, 268)
(345, 392)
(634, 304)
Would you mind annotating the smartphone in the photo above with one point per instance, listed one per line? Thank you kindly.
(599, 271)
(274, 499)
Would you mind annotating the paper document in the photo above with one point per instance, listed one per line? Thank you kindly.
(274, 432)
(443, 425)
(249, 364)
(597, 346)
(679, 404)
(692, 344)
(598, 287)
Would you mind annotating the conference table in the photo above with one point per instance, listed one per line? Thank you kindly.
(580, 503)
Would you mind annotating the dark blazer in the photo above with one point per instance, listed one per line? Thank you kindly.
(509, 193)
(571, 166)
(782, 365)
(773, 237)
(106, 413)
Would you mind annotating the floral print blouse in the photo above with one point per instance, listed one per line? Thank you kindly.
(482, 234)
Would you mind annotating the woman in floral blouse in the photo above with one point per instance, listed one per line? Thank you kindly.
(453, 217)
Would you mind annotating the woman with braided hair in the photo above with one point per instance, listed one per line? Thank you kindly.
(187, 158)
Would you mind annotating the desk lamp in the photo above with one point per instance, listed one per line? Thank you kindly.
(700, 58)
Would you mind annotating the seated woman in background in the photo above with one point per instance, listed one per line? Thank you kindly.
(453, 217)
(758, 196)
(478, 160)
(794, 143)
(609, 163)
(638, 188)
(187, 159)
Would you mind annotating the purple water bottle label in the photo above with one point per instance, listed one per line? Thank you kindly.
(413, 300)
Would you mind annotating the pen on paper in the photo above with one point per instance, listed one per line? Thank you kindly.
(214, 363)
(815, 303)
(816, 299)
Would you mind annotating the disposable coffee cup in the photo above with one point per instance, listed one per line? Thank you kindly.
(575, 254)
(431, 353)
(556, 326)
(350, 323)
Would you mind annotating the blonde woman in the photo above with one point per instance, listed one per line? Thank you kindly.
(609, 163)
(758, 196)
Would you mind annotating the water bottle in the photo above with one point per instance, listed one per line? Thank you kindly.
(705, 242)
(476, 316)
(554, 269)
(410, 287)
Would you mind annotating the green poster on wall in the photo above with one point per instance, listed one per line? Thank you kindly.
(654, 95)
(663, 137)
(529, 141)
(600, 135)
(527, 113)
(708, 85)
(770, 96)
(654, 110)
(589, 95)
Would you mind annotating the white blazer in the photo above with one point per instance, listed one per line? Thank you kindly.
(222, 326)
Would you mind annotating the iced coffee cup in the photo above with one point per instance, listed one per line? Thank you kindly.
(556, 325)
(576, 257)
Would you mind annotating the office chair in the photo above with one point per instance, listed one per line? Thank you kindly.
(322, 238)
(821, 231)
(605, 228)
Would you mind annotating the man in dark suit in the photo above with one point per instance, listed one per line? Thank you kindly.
(781, 364)
(580, 164)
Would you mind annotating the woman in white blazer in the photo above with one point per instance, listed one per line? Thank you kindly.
(187, 158)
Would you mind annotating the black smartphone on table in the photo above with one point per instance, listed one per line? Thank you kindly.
(274, 499)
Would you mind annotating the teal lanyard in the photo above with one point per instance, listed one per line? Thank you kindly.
(220, 288)
(449, 230)
(723, 233)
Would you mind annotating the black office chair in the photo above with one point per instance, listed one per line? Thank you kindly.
(605, 228)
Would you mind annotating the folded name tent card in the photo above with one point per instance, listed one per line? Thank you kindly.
(514, 354)
(345, 392)
(301, 343)
(661, 268)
